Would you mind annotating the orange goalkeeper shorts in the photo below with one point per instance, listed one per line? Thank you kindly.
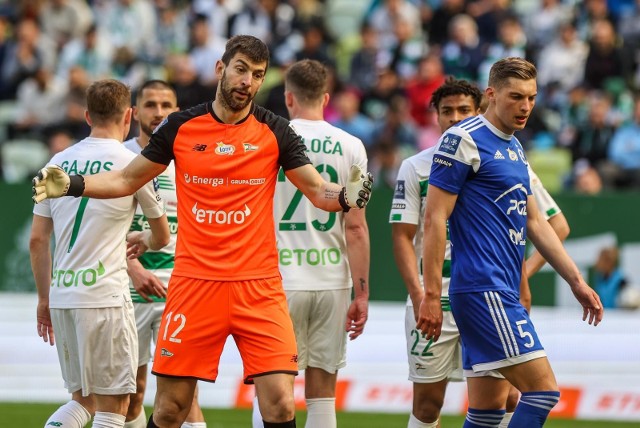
(199, 316)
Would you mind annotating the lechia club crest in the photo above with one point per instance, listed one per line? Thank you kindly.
(224, 149)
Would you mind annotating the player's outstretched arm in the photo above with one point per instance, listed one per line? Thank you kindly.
(440, 204)
(53, 182)
(547, 242)
(40, 252)
(358, 252)
(525, 291)
(330, 196)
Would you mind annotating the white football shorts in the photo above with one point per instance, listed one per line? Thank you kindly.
(319, 319)
(432, 362)
(148, 319)
(97, 349)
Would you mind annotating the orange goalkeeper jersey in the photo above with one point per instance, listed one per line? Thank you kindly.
(225, 181)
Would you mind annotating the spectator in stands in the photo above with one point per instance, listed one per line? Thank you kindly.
(39, 101)
(269, 20)
(588, 13)
(406, 51)
(488, 15)
(363, 71)
(511, 42)
(375, 103)
(608, 277)
(542, 24)
(183, 77)
(205, 50)
(429, 77)
(128, 23)
(218, 12)
(350, 119)
(173, 28)
(462, 53)
(591, 141)
(604, 61)
(440, 21)
(315, 45)
(59, 139)
(385, 15)
(28, 52)
(624, 151)
(398, 127)
(563, 60)
(92, 52)
(585, 178)
(65, 20)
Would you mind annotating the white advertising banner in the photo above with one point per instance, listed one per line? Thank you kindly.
(598, 368)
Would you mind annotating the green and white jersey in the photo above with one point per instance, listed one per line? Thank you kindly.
(546, 204)
(89, 261)
(159, 262)
(312, 247)
(408, 206)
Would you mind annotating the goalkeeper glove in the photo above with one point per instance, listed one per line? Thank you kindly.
(53, 182)
(357, 192)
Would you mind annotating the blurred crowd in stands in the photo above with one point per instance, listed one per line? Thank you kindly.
(386, 57)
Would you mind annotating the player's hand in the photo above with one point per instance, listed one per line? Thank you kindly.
(44, 326)
(590, 301)
(51, 182)
(357, 316)
(138, 243)
(145, 282)
(357, 192)
(430, 318)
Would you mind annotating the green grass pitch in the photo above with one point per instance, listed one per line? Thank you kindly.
(31, 415)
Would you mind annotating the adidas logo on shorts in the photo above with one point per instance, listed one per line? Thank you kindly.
(498, 155)
(165, 353)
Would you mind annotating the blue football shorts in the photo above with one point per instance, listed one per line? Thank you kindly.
(496, 330)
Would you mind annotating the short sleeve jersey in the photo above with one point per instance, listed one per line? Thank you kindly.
(312, 247)
(89, 261)
(225, 182)
(409, 204)
(487, 169)
(159, 262)
(546, 204)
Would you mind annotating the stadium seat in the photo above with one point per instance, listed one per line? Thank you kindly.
(552, 166)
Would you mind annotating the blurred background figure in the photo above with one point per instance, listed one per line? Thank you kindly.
(608, 278)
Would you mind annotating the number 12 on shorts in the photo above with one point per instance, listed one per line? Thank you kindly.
(171, 320)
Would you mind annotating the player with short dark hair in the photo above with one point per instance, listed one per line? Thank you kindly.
(479, 168)
(83, 295)
(226, 279)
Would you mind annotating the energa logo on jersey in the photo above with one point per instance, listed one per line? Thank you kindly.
(220, 216)
(73, 278)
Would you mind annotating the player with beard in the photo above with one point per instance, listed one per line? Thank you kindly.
(225, 281)
(150, 273)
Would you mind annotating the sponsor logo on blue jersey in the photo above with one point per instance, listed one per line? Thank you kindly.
(450, 144)
(399, 193)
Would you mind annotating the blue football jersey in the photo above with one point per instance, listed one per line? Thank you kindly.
(487, 169)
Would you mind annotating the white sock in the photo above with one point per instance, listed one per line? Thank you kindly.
(139, 422)
(69, 415)
(256, 416)
(417, 423)
(194, 425)
(321, 413)
(505, 420)
(108, 420)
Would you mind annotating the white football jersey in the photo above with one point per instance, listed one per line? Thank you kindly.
(311, 242)
(409, 204)
(89, 261)
(547, 206)
(159, 262)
